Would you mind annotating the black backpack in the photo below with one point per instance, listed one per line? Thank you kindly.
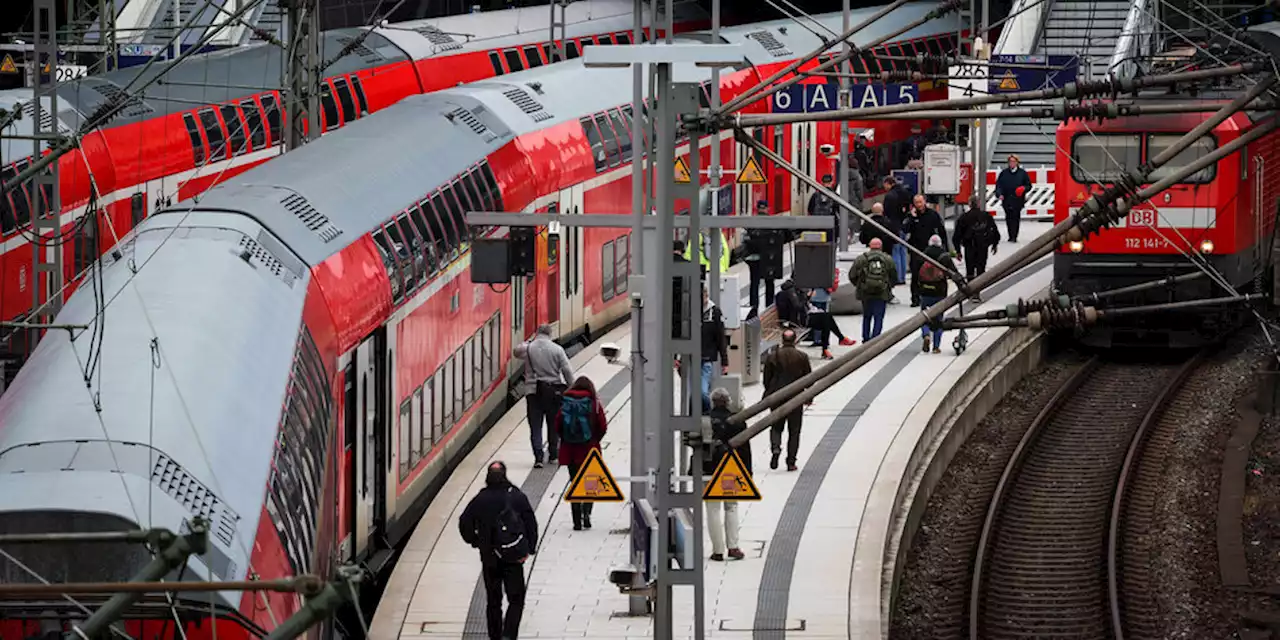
(507, 536)
(984, 230)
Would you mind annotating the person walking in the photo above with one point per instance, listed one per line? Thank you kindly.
(581, 424)
(755, 245)
(890, 243)
(715, 345)
(546, 374)
(722, 516)
(873, 275)
(500, 523)
(897, 201)
(933, 288)
(1012, 186)
(922, 223)
(785, 365)
(975, 233)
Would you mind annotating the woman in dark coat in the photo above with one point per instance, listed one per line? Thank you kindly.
(580, 400)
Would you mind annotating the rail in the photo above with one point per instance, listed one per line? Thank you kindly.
(1137, 40)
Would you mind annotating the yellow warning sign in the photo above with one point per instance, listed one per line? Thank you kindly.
(731, 481)
(1008, 82)
(593, 483)
(751, 172)
(682, 171)
(7, 65)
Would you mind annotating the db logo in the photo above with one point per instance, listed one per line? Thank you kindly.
(1143, 216)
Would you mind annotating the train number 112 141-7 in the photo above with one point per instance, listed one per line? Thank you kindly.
(1143, 243)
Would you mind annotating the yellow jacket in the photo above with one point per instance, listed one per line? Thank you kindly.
(702, 254)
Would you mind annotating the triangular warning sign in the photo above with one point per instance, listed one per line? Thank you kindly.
(7, 65)
(682, 171)
(731, 481)
(751, 172)
(48, 67)
(593, 483)
(1008, 82)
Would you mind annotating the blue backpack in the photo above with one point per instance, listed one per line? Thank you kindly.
(575, 420)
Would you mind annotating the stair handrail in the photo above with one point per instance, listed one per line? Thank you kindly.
(1137, 40)
(1020, 36)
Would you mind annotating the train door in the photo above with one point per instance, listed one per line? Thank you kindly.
(572, 311)
(367, 398)
(549, 288)
(803, 156)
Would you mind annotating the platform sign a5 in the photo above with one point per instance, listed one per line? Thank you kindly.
(817, 98)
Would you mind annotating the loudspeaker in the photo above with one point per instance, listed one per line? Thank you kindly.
(490, 261)
(523, 251)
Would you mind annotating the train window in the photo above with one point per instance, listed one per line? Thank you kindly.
(344, 98)
(858, 64)
(550, 51)
(597, 144)
(329, 108)
(475, 184)
(458, 407)
(419, 220)
(571, 49)
(531, 54)
(253, 121)
(606, 271)
(213, 132)
(1103, 158)
(137, 208)
(438, 421)
(406, 411)
(468, 372)
(514, 63)
(606, 39)
(484, 350)
(553, 249)
(400, 250)
(388, 263)
(86, 245)
(445, 223)
(1158, 142)
(428, 416)
(611, 151)
(495, 346)
(236, 138)
(463, 188)
(21, 204)
(704, 98)
(622, 266)
(454, 209)
(496, 62)
(447, 404)
(624, 135)
(624, 38)
(477, 365)
(193, 134)
(631, 122)
(360, 99)
(933, 46)
(415, 440)
(437, 230)
(491, 183)
(274, 121)
(8, 224)
(413, 260)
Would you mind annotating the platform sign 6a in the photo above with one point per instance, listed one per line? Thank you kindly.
(817, 98)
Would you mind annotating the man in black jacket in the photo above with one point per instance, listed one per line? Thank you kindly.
(715, 345)
(502, 552)
(819, 203)
(1012, 186)
(976, 233)
(922, 223)
(754, 245)
(896, 200)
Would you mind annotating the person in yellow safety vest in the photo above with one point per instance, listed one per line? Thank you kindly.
(704, 249)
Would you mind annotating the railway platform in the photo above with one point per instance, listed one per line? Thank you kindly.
(819, 545)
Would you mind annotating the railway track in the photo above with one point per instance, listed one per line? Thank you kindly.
(1062, 519)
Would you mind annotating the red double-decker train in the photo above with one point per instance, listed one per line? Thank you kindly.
(300, 358)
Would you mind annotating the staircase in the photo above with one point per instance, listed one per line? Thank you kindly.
(271, 20)
(163, 25)
(1073, 27)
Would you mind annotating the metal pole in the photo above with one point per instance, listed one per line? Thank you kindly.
(692, 383)
(981, 158)
(664, 143)
(303, 80)
(637, 604)
(843, 178)
(177, 29)
(332, 598)
(714, 173)
(172, 557)
(46, 218)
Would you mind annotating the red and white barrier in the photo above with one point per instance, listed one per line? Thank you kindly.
(1039, 200)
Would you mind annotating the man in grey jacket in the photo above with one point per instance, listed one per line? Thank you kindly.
(546, 375)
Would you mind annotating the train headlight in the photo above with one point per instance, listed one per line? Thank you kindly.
(1076, 246)
(1206, 246)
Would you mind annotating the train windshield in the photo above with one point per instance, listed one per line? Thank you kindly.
(1103, 158)
(1158, 142)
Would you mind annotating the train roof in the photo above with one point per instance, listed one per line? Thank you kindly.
(357, 177)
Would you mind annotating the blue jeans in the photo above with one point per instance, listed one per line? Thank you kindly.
(816, 334)
(872, 318)
(900, 259)
(706, 385)
(935, 328)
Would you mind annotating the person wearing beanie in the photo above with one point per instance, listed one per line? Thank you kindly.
(933, 288)
(499, 522)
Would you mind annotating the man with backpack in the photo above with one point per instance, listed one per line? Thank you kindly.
(933, 288)
(874, 275)
(975, 233)
(546, 375)
(923, 223)
(500, 523)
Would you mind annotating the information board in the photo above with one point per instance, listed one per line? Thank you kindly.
(1012, 73)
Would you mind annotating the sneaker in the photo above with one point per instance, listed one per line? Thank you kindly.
(826, 354)
(718, 557)
(555, 460)
(925, 349)
(976, 298)
(737, 554)
(773, 461)
(848, 342)
(537, 464)
(937, 350)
